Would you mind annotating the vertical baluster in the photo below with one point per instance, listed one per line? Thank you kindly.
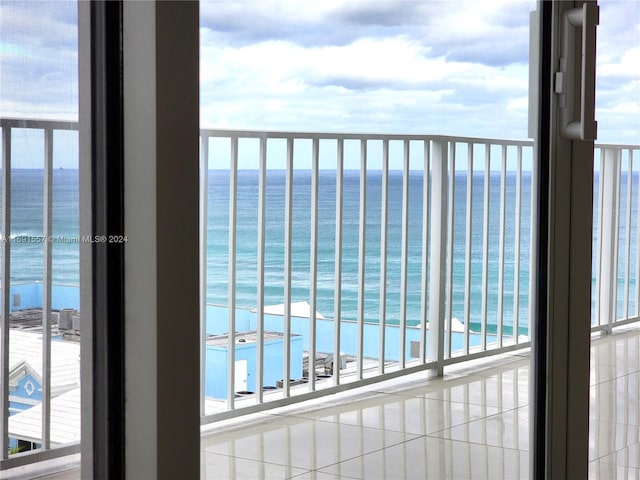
(262, 213)
(46, 290)
(204, 197)
(609, 236)
(404, 253)
(233, 207)
(533, 243)
(516, 263)
(288, 236)
(438, 247)
(384, 223)
(337, 294)
(468, 247)
(616, 240)
(426, 218)
(637, 272)
(627, 249)
(361, 259)
(313, 273)
(599, 238)
(503, 202)
(485, 247)
(450, 243)
(6, 285)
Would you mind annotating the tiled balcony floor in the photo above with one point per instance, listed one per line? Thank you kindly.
(473, 423)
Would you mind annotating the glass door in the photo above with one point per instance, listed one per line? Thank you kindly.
(43, 309)
(369, 189)
(372, 206)
(375, 201)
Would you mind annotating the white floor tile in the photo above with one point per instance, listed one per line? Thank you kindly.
(606, 438)
(468, 424)
(400, 413)
(504, 390)
(432, 458)
(625, 457)
(222, 467)
(508, 429)
(301, 443)
(604, 471)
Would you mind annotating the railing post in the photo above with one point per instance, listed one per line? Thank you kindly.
(5, 291)
(47, 217)
(233, 212)
(608, 254)
(262, 232)
(204, 201)
(438, 257)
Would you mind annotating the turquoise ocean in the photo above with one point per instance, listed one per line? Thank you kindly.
(27, 264)
(247, 229)
(27, 200)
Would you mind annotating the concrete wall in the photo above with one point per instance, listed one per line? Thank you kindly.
(30, 296)
(217, 361)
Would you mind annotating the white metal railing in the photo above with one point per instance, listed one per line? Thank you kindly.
(406, 254)
(494, 164)
(46, 449)
(495, 203)
(616, 295)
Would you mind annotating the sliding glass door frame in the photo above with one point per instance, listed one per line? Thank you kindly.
(560, 360)
(559, 414)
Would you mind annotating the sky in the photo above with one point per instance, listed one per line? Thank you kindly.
(390, 66)
(397, 66)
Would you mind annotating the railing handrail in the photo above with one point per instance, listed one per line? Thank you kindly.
(15, 122)
(306, 135)
(35, 123)
(613, 146)
(439, 151)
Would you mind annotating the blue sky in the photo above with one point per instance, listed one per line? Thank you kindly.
(402, 66)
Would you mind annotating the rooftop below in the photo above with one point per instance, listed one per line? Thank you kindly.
(473, 421)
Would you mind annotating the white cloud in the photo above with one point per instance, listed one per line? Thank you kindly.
(371, 84)
(38, 59)
(432, 67)
(410, 66)
(625, 65)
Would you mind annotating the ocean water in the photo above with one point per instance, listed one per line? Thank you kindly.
(246, 244)
(27, 251)
(26, 239)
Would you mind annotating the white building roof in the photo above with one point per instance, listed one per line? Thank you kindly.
(65, 359)
(65, 420)
(456, 325)
(297, 309)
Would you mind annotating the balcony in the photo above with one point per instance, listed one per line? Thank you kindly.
(472, 423)
(332, 262)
